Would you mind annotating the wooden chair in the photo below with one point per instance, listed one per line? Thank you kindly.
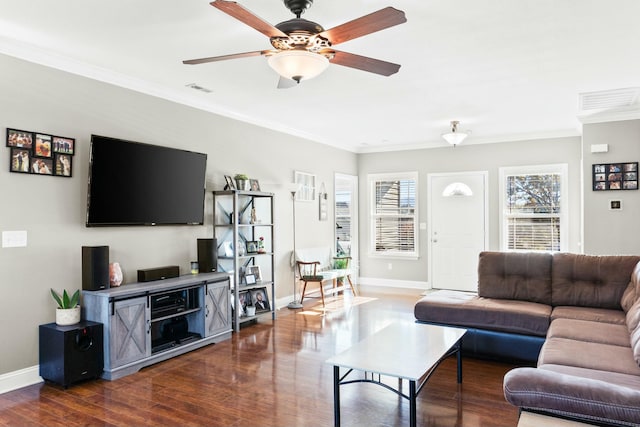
(313, 271)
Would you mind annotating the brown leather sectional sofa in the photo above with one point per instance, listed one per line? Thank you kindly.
(575, 317)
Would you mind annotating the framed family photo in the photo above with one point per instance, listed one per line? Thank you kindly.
(260, 299)
(615, 176)
(40, 153)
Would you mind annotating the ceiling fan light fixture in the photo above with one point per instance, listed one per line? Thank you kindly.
(298, 64)
(455, 136)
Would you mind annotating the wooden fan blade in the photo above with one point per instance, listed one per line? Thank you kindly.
(376, 21)
(225, 57)
(364, 63)
(233, 9)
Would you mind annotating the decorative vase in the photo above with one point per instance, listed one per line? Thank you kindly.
(115, 274)
(67, 316)
(242, 184)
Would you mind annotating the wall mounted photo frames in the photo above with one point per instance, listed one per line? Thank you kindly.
(615, 176)
(40, 153)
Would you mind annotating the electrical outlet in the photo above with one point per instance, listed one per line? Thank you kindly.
(14, 239)
(390, 266)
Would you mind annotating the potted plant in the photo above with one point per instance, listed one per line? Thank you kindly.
(68, 311)
(242, 181)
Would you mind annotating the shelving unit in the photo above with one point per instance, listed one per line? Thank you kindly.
(240, 217)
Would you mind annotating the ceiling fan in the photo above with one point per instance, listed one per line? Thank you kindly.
(302, 49)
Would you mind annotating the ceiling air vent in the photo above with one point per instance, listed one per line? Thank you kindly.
(609, 99)
(198, 87)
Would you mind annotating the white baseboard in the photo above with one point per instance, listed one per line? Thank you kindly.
(391, 283)
(20, 378)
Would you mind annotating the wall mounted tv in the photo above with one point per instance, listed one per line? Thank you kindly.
(131, 183)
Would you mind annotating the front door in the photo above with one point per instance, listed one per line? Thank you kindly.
(458, 229)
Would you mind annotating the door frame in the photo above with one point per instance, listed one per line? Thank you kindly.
(430, 176)
(355, 227)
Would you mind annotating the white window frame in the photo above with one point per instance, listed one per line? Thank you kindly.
(560, 168)
(398, 176)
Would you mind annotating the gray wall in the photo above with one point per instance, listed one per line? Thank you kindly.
(462, 158)
(607, 231)
(52, 210)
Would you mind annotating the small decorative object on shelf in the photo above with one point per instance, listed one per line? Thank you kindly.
(195, 268)
(255, 184)
(68, 311)
(229, 183)
(115, 274)
(252, 246)
(242, 182)
(261, 249)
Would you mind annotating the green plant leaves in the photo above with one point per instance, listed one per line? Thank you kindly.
(65, 301)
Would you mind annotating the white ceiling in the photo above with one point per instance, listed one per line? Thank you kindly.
(506, 69)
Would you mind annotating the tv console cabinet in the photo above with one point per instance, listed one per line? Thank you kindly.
(146, 323)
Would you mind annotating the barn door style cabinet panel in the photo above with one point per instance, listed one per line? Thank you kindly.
(243, 228)
(145, 323)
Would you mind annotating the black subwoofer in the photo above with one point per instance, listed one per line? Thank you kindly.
(95, 268)
(69, 354)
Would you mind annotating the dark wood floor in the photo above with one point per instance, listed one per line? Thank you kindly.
(272, 374)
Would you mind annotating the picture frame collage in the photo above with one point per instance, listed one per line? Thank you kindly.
(40, 153)
(615, 176)
(257, 298)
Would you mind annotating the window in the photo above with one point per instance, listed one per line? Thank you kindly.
(394, 214)
(534, 208)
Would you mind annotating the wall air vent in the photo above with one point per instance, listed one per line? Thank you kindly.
(609, 105)
(608, 99)
(198, 87)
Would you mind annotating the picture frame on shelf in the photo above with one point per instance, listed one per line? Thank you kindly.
(615, 176)
(229, 183)
(249, 279)
(255, 271)
(260, 300)
(244, 298)
(252, 246)
(254, 185)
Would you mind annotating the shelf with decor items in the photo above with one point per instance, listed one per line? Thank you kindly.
(244, 230)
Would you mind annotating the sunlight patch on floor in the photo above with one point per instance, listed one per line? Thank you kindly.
(337, 304)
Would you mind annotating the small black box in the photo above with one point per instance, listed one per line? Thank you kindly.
(73, 353)
(158, 273)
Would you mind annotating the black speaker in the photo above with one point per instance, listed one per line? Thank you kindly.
(207, 255)
(95, 268)
(158, 273)
(73, 353)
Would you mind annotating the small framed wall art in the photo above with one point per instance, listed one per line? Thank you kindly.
(615, 176)
(40, 153)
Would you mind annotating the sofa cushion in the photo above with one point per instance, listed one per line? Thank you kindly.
(584, 330)
(635, 344)
(465, 309)
(589, 280)
(632, 293)
(586, 313)
(589, 355)
(614, 378)
(515, 276)
(632, 317)
(572, 395)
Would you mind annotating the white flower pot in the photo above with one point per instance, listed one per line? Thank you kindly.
(67, 316)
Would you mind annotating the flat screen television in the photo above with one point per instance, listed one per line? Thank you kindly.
(132, 183)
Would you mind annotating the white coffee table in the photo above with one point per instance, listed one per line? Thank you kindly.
(404, 350)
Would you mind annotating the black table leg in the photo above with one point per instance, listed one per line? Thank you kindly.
(459, 358)
(412, 403)
(336, 396)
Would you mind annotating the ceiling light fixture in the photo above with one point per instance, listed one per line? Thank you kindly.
(298, 64)
(456, 136)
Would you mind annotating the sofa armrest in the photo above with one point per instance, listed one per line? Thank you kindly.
(577, 397)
